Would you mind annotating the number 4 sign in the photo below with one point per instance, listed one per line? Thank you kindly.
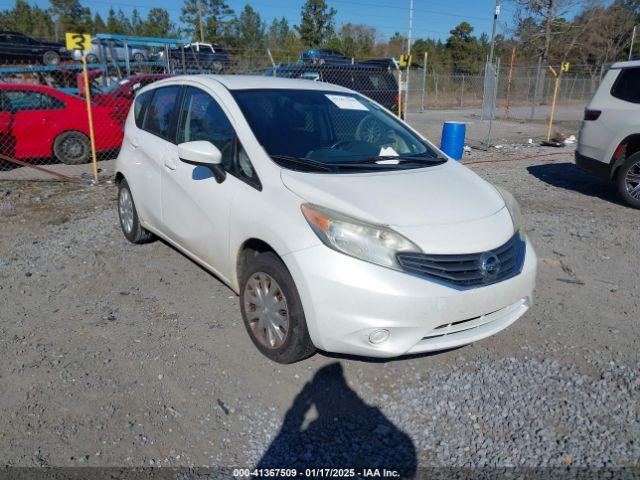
(78, 41)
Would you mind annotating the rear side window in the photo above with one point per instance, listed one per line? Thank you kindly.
(140, 106)
(21, 100)
(161, 112)
(627, 86)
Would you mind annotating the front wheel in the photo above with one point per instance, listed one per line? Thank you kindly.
(628, 180)
(128, 215)
(272, 311)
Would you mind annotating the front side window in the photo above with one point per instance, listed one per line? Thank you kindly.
(203, 119)
(627, 86)
(23, 100)
(339, 131)
(161, 111)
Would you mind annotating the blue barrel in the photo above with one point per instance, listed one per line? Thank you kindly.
(452, 142)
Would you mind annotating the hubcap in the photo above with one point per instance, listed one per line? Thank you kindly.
(632, 181)
(125, 208)
(73, 148)
(266, 309)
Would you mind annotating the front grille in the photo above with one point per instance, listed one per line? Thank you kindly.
(466, 270)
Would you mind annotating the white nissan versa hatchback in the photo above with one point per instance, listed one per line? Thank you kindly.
(340, 227)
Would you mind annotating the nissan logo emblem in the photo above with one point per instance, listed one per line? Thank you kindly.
(489, 265)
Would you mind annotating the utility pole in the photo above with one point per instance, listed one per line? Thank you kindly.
(496, 12)
(633, 38)
(406, 83)
(200, 21)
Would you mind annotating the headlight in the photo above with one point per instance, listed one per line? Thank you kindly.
(371, 243)
(513, 207)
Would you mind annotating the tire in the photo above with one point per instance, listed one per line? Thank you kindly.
(285, 340)
(128, 216)
(91, 58)
(72, 148)
(139, 57)
(628, 180)
(51, 58)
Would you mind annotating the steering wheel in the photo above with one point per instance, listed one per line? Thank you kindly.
(370, 130)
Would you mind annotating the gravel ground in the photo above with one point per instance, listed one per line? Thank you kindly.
(120, 355)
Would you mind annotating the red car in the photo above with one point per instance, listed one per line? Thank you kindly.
(120, 95)
(39, 122)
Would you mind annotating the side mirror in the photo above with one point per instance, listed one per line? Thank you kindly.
(203, 154)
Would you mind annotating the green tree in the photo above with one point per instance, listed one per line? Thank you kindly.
(205, 18)
(282, 40)
(316, 23)
(250, 29)
(354, 40)
(136, 22)
(98, 24)
(70, 16)
(158, 24)
(464, 49)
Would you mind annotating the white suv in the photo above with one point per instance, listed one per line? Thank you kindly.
(609, 142)
(340, 227)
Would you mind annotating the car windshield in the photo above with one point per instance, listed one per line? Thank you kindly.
(316, 130)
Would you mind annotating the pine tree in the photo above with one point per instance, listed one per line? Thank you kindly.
(98, 24)
(316, 23)
(205, 18)
(250, 29)
(158, 24)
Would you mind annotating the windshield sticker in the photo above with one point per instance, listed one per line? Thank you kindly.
(388, 152)
(346, 103)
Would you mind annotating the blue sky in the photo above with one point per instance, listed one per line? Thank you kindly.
(432, 18)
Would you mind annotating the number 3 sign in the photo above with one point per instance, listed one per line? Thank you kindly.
(78, 41)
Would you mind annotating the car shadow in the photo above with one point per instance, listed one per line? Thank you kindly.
(568, 176)
(330, 426)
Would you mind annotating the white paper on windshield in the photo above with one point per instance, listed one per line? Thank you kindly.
(346, 103)
(388, 152)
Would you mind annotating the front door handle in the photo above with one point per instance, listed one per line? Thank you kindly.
(135, 143)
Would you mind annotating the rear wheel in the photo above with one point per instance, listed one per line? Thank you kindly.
(128, 215)
(272, 311)
(51, 58)
(72, 148)
(138, 57)
(628, 180)
(91, 58)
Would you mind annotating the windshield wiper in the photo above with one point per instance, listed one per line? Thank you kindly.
(302, 161)
(368, 164)
(387, 159)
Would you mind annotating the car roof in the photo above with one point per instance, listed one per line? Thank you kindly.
(255, 82)
(626, 64)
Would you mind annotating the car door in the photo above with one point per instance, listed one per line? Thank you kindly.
(33, 111)
(195, 207)
(148, 146)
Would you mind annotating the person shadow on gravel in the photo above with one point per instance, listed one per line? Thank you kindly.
(329, 426)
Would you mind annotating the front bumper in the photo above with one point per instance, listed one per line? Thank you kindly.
(346, 299)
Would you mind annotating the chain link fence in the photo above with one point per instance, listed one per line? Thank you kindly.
(44, 112)
(429, 91)
(44, 117)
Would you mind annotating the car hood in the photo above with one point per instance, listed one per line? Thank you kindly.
(439, 195)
